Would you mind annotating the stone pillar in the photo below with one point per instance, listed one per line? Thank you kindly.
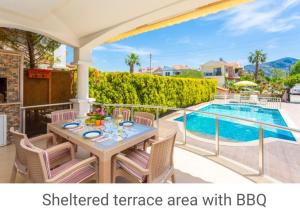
(11, 69)
(82, 102)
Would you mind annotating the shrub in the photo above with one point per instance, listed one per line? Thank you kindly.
(292, 80)
(190, 73)
(296, 68)
(126, 88)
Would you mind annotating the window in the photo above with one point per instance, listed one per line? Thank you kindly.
(167, 73)
(208, 74)
(218, 72)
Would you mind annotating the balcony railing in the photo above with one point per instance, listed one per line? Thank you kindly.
(268, 102)
(34, 119)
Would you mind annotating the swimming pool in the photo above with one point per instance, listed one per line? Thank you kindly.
(235, 130)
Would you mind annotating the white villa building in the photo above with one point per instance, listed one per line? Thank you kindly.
(220, 70)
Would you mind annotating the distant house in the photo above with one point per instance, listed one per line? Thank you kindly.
(174, 70)
(181, 67)
(152, 70)
(165, 71)
(221, 69)
(169, 71)
(157, 71)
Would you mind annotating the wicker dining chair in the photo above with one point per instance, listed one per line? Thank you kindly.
(20, 164)
(141, 167)
(144, 118)
(63, 115)
(73, 171)
(125, 112)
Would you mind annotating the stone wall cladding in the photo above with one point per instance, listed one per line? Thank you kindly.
(13, 117)
(10, 65)
(10, 69)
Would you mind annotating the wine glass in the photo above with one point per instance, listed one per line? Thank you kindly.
(108, 124)
(120, 118)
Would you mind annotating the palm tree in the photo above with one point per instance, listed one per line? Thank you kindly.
(132, 60)
(257, 58)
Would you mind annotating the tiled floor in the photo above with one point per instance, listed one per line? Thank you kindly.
(190, 168)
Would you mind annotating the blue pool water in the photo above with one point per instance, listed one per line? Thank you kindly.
(235, 130)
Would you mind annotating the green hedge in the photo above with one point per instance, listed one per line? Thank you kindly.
(126, 88)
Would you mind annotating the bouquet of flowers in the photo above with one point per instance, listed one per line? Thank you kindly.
(97, 115)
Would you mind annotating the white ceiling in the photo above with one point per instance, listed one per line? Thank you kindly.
(89, 22)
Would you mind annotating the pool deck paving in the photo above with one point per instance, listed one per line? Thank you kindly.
(281, 157)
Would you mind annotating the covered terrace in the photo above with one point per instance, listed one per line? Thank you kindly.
(85, 26)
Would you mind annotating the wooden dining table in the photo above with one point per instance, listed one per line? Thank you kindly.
(107, 148)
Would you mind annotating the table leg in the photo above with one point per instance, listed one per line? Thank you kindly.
(104, 170)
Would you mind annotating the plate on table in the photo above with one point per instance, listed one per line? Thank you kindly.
(127, 123)
(92, 134)
(71, 125)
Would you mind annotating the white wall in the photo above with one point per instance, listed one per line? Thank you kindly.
(220, 79)
(295, 98)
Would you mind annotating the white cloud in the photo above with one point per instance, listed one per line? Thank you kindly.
(100, 48)
(284, 24)
(129, 49)
(120, 48)
(265, 15)
(290, 2)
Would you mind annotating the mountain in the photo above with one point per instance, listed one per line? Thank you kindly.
(283, 64)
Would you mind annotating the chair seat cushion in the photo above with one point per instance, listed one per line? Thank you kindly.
(63, 167)
(78, 175)
(141, 158)
(58, 155)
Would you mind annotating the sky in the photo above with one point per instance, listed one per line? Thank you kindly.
(270, 25)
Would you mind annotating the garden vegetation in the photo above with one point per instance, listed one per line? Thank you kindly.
(190, 73)
(144, 89)
(294, 77)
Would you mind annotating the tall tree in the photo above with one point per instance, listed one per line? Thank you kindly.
(278, 74)
(35, 47)
(295, 68)
(132, 60)
(257, 57)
